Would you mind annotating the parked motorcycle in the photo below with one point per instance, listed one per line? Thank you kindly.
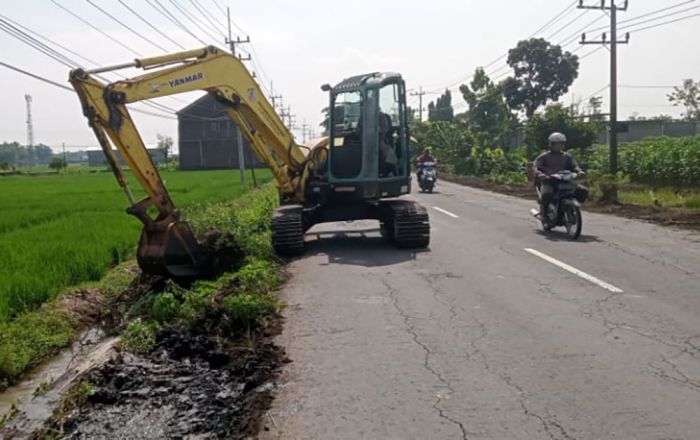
(565, 207)
(427, 176)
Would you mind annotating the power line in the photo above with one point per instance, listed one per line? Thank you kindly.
(196, 2)
(577, 18)
(212, 25)
(219, 6)
(548, 24)
(151, 25)
(144, 38)
(558, 17)
(35, 76)
(33, 43)
(96, 28)
(187, 15)
(165, 13)
(665, 23)
(56, 84)
(652, 20)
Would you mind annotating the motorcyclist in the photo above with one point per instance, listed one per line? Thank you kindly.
(552, 162)
(420, 160)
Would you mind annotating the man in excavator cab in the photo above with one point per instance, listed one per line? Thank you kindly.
(388, 162)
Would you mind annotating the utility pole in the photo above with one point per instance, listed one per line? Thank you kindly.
(65, 162)
(30, 126)
(232, 45)
(419, 94)
(303, 131)
(613, 8)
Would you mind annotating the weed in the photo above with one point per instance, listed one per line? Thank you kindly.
(140, 336)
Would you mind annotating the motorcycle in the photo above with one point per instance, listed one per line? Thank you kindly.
(428, 176)
(565, 207)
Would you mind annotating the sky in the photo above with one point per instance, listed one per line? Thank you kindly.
(300, 45)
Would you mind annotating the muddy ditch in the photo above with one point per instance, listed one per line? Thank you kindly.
(682, 218)
(187, 386)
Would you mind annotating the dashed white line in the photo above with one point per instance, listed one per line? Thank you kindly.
(574, 271)
(445, 212)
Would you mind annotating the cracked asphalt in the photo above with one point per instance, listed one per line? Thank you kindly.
(476, 338)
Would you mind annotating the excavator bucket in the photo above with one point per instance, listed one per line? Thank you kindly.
(170, 249)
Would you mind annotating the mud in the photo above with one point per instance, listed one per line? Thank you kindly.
(681, 218)
(188, 387)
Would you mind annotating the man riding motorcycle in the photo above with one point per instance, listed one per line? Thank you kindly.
(425, 157)
(550, 163)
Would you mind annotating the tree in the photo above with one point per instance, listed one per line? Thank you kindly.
(542, 73)
(687, 95)
(556, 117)
(450, 142)
(165, 145)
(57, 163)
(441, 109)
(488, 116)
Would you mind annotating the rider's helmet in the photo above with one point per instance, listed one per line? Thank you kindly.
(557, 138)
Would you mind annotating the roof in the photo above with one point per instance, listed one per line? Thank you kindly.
(355, 82)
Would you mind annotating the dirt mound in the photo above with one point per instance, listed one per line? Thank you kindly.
(187, 387)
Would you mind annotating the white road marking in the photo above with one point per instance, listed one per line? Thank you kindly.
(445, 212)
(574, 271)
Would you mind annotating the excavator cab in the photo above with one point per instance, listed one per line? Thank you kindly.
(368, 156)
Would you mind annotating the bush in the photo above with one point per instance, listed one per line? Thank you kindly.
(140, 336)
(558, 118)
(249, 310)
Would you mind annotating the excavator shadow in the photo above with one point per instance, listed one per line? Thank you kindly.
(358, 247)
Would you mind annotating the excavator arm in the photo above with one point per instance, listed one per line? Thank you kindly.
(167, 244)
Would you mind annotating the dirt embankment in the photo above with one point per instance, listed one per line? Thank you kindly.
(683, 218)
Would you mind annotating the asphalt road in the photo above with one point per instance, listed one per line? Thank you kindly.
(498, 331)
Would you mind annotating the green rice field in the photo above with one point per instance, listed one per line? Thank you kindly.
(59, 231)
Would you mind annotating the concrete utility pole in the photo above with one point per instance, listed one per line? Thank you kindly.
(232, 44)
(419, 94)
(613, 8)
(303, 131)
(30, 126)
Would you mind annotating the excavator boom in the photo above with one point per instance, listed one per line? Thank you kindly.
(167, 245)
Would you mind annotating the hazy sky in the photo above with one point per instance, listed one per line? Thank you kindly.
(305, 43)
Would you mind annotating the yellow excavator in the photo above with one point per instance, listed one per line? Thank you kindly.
(357, 172)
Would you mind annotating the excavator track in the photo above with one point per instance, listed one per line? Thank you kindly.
(288, 231)
(408, 224)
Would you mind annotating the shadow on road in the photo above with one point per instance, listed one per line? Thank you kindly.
(561, 236)
(357, 248)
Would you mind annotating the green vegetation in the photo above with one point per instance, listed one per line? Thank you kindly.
(237, 302)
(58, 231)
(30, 337)
(659, 162)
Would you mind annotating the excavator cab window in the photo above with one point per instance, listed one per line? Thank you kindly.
(346, 157)
(391, 132)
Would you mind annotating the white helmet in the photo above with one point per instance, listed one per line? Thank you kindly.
(557, 138)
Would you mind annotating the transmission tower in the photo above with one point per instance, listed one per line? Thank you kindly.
(30, 127)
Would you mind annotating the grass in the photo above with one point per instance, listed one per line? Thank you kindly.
(58, 231)
(660, 197)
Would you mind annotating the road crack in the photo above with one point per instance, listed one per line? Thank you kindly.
(393, 295)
